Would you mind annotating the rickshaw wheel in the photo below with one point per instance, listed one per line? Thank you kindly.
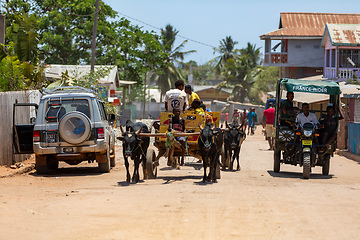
(277, 161)
(306, 166)
(326, 166)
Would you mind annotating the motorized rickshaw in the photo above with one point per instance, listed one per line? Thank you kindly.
(295, 144)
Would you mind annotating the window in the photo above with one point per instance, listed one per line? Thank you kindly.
(102, 110)
(327, 58)
(352, 54)
(55, 109)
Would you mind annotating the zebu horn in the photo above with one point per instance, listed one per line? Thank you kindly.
(138, 131)
(227, 125)
(122, 129)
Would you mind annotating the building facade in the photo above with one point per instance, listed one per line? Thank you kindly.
(342, 51)
(296, 46)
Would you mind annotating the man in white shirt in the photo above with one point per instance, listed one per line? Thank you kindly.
(176, 98)
(306, 116)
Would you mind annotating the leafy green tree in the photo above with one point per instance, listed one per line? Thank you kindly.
(11, 71)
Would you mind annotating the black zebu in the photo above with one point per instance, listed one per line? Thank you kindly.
(234, 136)
(210, 142)
(135, 148)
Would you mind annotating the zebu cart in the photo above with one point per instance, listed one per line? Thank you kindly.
(169, 147)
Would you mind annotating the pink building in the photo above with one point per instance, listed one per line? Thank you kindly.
(342, 51)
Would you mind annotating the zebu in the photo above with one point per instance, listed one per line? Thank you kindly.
(210, 143)
(134, 147)
(233, 138)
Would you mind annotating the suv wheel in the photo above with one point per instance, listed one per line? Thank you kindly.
(104, 164)
(40, 164)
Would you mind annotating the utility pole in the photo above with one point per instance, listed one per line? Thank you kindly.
(93, 44)
(144, 96)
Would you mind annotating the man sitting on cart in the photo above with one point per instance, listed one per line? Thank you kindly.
(177, 123)
(176, 98)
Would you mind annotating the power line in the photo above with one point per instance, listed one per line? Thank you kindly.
(186, 38)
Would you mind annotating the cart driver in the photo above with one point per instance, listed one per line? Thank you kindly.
(178, 124)
(176, 98)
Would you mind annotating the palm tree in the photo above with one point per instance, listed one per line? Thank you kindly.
(170, 74)
(240, 70)
(252, 53)
(226, 51)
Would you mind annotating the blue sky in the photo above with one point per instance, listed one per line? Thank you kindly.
(209, 21)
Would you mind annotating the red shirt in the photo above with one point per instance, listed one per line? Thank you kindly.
(270, 115)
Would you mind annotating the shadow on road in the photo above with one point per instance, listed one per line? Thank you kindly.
(298, 175)
(196, 166)
(171, 179)
(69, 172)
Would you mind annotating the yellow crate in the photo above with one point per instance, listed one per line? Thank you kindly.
(191, 120)
(216, 117)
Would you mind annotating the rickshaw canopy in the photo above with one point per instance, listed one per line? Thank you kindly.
(310, 86)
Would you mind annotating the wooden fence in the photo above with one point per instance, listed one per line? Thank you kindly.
(7, 100)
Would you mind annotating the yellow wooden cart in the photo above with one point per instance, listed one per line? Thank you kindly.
(169, 147)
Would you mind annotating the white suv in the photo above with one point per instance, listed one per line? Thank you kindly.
(71, 126)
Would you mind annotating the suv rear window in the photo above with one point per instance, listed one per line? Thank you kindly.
(55, 109)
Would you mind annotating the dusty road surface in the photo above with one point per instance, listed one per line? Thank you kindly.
(254, 203)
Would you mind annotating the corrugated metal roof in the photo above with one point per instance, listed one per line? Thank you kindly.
(343, 34)
(309, 24)
(56, 70)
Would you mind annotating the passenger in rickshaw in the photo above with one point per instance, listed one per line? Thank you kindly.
(177, 123)
(286, 120)
(329, 125)
(288, 102)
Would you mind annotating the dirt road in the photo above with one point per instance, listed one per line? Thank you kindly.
(254, 203)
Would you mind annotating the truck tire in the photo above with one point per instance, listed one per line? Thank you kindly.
(75, 127)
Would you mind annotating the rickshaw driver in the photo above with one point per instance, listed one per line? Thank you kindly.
(306, 116)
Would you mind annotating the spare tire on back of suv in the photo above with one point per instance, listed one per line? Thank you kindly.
(75, 127)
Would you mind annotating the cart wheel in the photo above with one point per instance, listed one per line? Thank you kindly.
(150, 166)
